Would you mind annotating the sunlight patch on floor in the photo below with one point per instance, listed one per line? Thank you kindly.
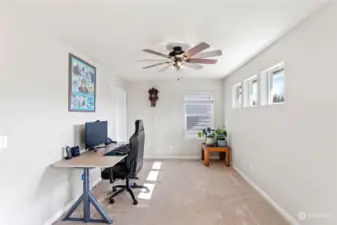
(144, 194)
(156, 166)
(151, 177)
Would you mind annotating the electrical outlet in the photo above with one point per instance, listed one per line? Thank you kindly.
(3, 142)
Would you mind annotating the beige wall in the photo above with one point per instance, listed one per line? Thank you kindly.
(290, 150)
(164, 124)
(34, 116)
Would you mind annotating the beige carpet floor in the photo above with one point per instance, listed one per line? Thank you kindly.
(184, 193)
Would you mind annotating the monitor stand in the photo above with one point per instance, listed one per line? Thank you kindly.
(97, 147)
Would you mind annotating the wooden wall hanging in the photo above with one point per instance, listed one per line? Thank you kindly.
(153, 96)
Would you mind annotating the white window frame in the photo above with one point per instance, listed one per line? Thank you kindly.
(235, 100)
(270, 97)
(197, 102)
(266, 82)
(272, 72)
(248, 89)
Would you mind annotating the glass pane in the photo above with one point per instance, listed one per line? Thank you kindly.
(253, 93)
(199, 109)
(198, 96)
(195, 123)
(239, 96)
(277, 87)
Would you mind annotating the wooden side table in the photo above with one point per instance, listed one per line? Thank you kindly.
(206, 150)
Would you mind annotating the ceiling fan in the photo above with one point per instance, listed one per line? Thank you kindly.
(179, 58)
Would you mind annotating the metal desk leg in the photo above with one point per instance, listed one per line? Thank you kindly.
(73, 208)
(86, 203)
(99, 209)
(88, 198)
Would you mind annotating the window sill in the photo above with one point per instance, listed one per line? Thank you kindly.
(277, 103)
(193, 138)
(274, 104)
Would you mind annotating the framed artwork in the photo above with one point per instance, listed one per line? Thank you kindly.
(82, 86)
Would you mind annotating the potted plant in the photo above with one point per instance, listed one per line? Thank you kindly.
(208, 134)
(221, 136)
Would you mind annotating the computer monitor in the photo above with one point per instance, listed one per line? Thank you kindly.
(96, 133)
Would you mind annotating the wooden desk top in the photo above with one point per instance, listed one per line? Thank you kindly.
(91, 159)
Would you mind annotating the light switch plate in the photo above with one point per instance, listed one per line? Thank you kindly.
(3, 142)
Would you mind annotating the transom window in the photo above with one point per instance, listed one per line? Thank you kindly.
(276, 86)
(251, 90)
(237, 95)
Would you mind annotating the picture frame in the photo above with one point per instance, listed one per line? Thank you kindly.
(82, 85)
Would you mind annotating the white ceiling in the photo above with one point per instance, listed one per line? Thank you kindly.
(114, 32)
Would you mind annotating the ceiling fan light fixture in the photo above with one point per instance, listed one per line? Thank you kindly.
(178, 65)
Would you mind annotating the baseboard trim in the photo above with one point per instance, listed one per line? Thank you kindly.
(269, 199)
(58, 214)
(178, 157)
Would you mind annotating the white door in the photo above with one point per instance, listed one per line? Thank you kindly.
(121, 133)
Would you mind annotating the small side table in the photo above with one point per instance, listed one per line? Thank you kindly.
(206, 150)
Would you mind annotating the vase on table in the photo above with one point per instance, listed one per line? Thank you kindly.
(209, 141)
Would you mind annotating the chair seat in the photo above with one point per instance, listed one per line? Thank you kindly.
(119, 171)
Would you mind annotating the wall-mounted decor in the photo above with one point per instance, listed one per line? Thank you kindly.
(82, 85)
(153, 96)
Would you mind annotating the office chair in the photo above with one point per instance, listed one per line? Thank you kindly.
(129, 168)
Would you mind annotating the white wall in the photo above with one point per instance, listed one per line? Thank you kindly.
(120, 120)
(290, 150)
(165, 124)
(34, 116)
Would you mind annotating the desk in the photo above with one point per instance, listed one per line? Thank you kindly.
(206, 150)
(89, 160)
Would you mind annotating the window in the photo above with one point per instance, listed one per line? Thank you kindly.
(237, 95)
(276, 86)
(198, 112)
(251, 90)
(273, 86)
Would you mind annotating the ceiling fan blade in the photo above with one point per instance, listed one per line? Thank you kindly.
(196, 49)
(151, 60)
(155, 53)
(202, 61)
(193, 66)
(157, 64)
(165, 68)
(209, 54)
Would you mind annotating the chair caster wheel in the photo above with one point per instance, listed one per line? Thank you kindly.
(134, 185)
(114, 189)
(135, 202)
(112, 201)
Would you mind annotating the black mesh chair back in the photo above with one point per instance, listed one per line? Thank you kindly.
(134, 160)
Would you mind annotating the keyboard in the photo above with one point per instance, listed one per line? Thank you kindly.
(121, 150)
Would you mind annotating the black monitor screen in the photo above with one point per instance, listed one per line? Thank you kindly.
(96, 133)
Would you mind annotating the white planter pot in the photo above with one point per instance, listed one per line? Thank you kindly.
(209, 141)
